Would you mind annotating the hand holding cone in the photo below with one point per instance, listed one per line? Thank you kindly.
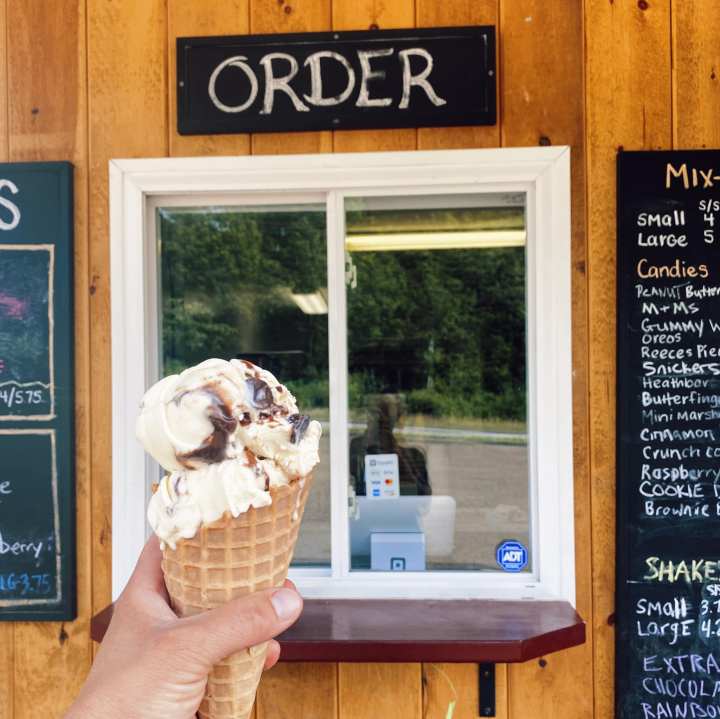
(239, 457)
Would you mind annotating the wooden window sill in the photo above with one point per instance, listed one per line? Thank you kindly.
(393, 630)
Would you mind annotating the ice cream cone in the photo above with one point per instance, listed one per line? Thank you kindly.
(226, 559)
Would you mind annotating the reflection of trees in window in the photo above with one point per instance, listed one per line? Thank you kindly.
(445, 328)
(453, 320)
(226, 281)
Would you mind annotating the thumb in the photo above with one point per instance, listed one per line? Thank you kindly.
(241, 623)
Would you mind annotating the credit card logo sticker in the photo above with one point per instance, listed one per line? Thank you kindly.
(512, 556)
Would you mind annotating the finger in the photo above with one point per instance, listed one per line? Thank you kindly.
(148, 576)
(290, 584)
(144, 601)
(239, 624)
(273, 654)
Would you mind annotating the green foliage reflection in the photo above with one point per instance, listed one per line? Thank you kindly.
(446, 329)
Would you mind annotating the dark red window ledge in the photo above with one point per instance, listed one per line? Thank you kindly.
(394, 630)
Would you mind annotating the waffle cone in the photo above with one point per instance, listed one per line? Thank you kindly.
(227, 559)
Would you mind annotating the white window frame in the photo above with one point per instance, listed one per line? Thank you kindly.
(138, 186)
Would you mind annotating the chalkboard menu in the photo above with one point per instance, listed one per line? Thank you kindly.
(668, 422)
(37, 523)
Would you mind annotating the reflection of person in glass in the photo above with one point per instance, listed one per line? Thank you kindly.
(384, 413)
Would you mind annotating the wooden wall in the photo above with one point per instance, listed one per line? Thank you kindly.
(89, 80)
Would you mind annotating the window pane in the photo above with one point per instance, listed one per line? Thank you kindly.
(251, 282)
(437, 382)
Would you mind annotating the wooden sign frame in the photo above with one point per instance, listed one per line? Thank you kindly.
(37, 409)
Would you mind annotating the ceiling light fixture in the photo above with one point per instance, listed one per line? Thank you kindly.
(435, 241)
(313, 303)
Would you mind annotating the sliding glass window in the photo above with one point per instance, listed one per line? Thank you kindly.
(436, 443)
(437, 388)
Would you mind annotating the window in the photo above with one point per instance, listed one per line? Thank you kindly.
(437, 400)
(248, 281)
(417, 304)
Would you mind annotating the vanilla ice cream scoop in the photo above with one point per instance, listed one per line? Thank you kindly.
(226, 432)
(210, 412)
(187, 419)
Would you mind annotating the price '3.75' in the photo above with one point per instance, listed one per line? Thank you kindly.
(25, 583)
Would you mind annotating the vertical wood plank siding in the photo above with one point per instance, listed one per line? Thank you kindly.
(542, 101)
(594, 75)
(291, 690)
(628, 104)
(48, 121)
(190, 18)
(696, 74)
(127, 84)
(370, 691)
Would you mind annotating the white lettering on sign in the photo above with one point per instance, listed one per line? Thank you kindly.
(420, 80)
(5, 487)
(316, 93)
(239, 62)
(17, 548)
(280, 84)
(364, 99)
(11, 206)
(275, 83)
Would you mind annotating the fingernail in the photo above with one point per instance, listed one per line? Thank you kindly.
(286, 603)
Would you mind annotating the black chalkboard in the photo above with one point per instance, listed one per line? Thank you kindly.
(336, 80)
(37, 492)
(668, 435)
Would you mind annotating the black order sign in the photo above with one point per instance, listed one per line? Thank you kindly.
(668, 433)
(336, 80)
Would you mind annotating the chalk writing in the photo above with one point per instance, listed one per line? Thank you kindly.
(25, 584)
(275, 82)
(28, 511)
(669, 436)
(9, 205)
(19, 548)
(26, 318)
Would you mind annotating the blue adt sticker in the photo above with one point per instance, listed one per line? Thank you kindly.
(511, 556)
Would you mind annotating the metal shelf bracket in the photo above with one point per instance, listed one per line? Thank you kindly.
(486, 690)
